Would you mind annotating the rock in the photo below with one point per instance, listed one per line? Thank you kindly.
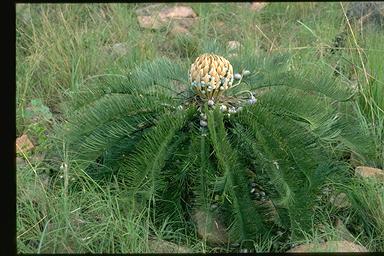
(23, 144)
(257, 6)
(162, 246)
(340, 201)
(330, 246)
(177, 12)
(233, 45)
(209, 228)
(180, 17)
(365, 172)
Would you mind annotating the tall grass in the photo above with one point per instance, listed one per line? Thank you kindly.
(60, 46)
(367, 65)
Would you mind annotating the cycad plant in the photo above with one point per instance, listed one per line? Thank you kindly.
(253, 147)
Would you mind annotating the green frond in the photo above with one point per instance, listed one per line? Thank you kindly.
(92, 145)
(98, 87)
(161, 69)
(260, 64)
(109, 108)
(247, 221)
(273, 73)
(294, 162)
(307, 109)
(356, 138)
(161, 78)
(143, 169)
(264, 165)
(203, 172)
(94, 129)
(172, 201)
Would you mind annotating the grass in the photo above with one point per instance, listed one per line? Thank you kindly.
(60, 47)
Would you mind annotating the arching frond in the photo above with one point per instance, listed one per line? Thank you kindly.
(94, 129)
(143, 169)
(247, 221)
(273, 73)
(292, 159)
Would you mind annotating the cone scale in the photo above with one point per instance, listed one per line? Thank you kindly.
(210, 75)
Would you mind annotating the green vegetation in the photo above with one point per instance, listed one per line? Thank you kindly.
(120, 159)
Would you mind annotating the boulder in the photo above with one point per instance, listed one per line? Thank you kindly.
(155, 17)
(329, 246)
(257, 6)
(177, 12)
(162, 246)
(366, 172)
(23, 144)
(209, 228)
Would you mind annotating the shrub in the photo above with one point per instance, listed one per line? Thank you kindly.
(259, 162)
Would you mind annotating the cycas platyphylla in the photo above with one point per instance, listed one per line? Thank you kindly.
(180, 150)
